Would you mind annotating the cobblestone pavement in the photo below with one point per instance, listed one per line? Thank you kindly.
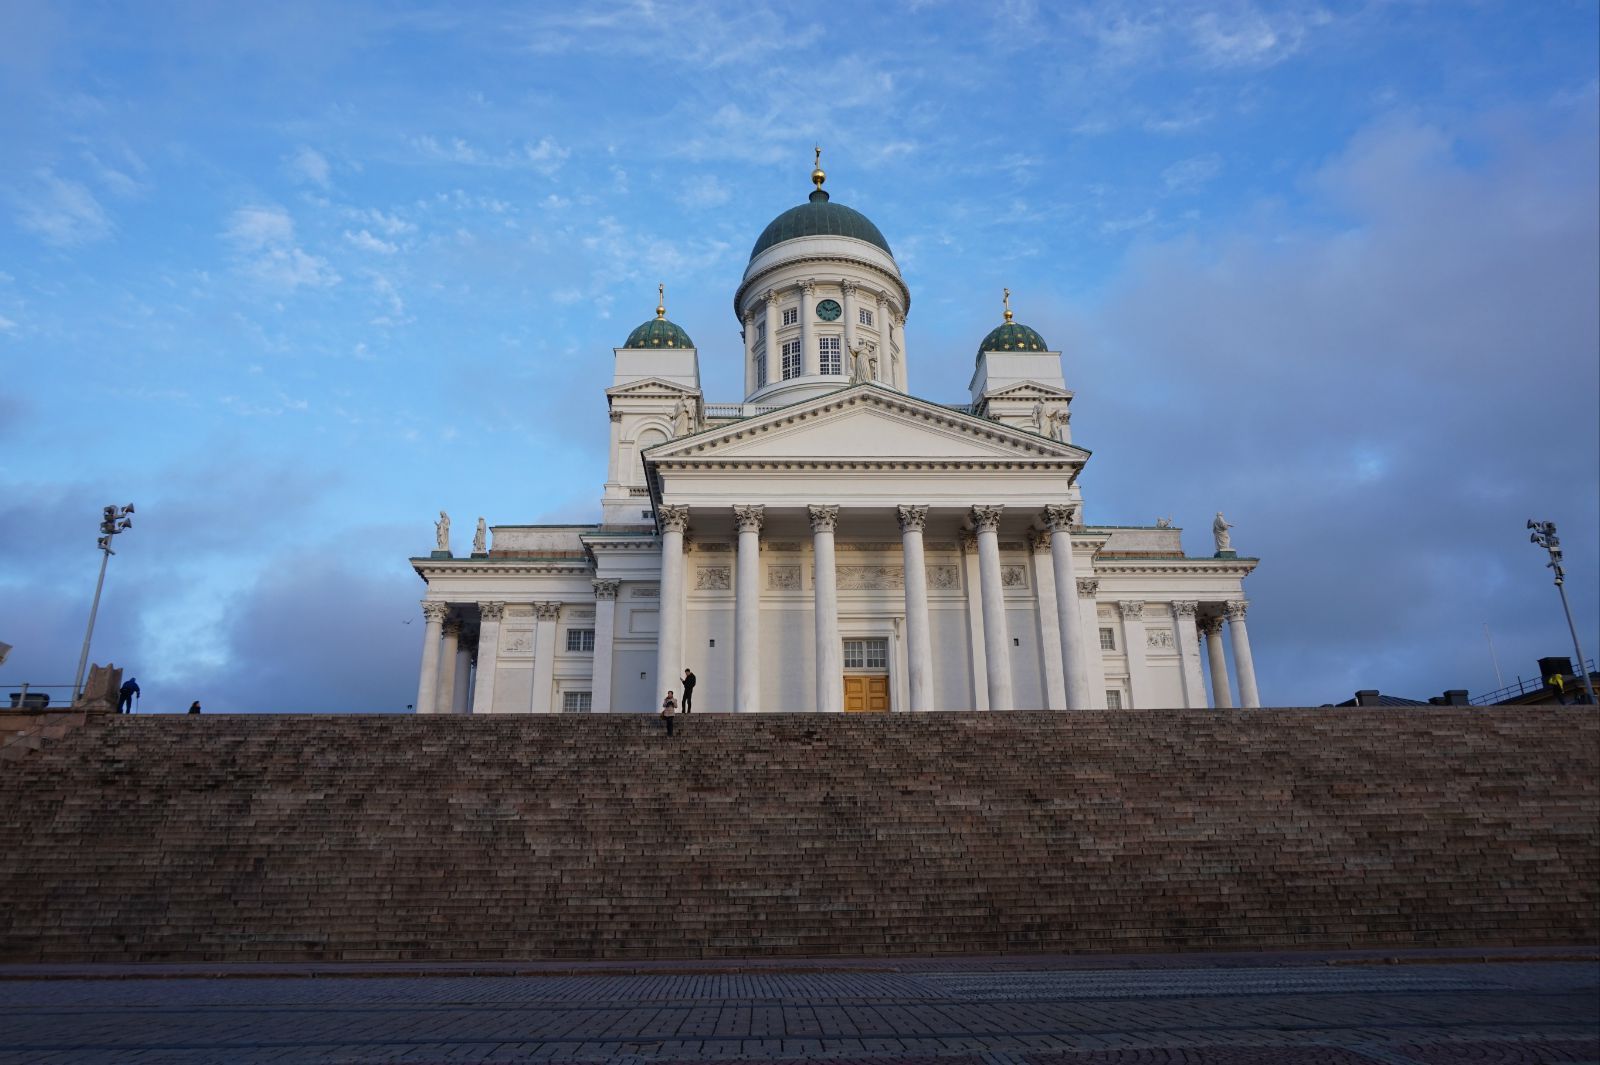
(1355, 1015)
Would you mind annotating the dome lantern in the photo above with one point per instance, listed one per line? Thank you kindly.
(659, 332)
(1011, 335)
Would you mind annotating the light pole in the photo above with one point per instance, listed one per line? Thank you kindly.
(1544, 534)
(113, 520)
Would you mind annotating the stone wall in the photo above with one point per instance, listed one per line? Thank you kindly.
(318, 837)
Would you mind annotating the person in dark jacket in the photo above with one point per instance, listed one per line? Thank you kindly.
(669, 706)
(128, 691)
(688, 688)
(194, 707)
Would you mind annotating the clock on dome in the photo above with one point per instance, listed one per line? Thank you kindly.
(828, 310)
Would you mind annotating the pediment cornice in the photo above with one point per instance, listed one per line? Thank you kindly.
(651, 387)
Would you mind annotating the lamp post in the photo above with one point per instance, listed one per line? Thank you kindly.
(113, 520)
(1544, 534)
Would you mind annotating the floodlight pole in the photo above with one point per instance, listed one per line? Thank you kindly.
(1544, 534)
(113, 520)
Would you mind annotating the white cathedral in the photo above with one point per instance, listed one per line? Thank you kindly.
(833, 542)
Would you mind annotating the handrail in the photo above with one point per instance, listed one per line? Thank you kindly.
(1521, 687)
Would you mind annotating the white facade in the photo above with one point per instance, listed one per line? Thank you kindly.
(833, 541)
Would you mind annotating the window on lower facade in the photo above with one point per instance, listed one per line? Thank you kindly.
(865, 316)
(577, 702)
(832, 358)
(761, 368)
(791, 316)
(791, 359)
(1108, 639)
(866, 654)
(580, 639)
(1113, 700)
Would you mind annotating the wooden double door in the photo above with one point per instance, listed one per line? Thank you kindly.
(866, 693)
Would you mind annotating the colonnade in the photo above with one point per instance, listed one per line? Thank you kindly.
(857, 297)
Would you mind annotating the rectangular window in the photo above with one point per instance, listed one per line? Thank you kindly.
(831, 356)
(791, 315)
(577, 702)
(791, 359)
(1108, 639)
(1113, 699)
(580, 639)
(866, 316)
(761, 368)
(761, 330)
(866, 654)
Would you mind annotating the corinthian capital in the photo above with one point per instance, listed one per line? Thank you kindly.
(771, 296)
(809, 286)
(848, 287)
(547, 611)
(1039, 539)
(435, 611)
(748, 517)
(912, 518)
(605, 588)
(452, 627)
(1088, 587)
(1184, 608)
(1131, 608)
(491, 611)
(1235, 609)
(986, 517)
(823, 518)
(1210, 624)
(1060, 517)
(674, 517)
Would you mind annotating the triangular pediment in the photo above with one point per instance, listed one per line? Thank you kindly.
(652, 386)
(865, 422)
(1029, 390)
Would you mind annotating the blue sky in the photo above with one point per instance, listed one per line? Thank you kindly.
(293, 277)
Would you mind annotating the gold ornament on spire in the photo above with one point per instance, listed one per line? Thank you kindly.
(661, 302)
(1005, 301)
(817, 175)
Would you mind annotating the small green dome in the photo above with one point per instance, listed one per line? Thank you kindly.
(658, 333)
(817, 218)
(1012, 336)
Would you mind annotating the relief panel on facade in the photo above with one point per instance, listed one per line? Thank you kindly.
(515, 642)
(783, 578)
(944, 579)
(713, 579)
(647, 591)
(1159, 640)
(1013, 576)
(870, 578)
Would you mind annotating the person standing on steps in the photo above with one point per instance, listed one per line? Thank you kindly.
(194, 707)
(129, 692)
(669, 706)
(688, 688)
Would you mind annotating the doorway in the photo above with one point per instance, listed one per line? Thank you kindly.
(866, 676)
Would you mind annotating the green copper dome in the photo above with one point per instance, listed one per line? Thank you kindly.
(658, 333)
(1012, 336)
(819, 218)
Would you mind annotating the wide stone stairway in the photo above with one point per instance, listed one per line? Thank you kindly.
(384, 837)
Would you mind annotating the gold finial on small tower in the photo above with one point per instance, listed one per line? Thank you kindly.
(661, 302)
(817, 175)
(1005, 301)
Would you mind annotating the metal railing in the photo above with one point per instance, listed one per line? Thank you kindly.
(739, 410)
(1523, 687)
(35, 696)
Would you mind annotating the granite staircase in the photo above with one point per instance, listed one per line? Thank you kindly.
(245, 838)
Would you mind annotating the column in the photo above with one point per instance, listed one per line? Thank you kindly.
(1093, 659)
(1244, 667)
(446, 696)
(1133, 644)
(919, 642)
(669, 637)
(488, 656)
(612, 470)
(1221, 696)
(980, 661)
(996, 639)
(544, 657)
(830, 652)
(749, 337)
(881, 318)
(1194, 688)
(605, 635)
(463, 686)
(810, 357)
(428, 676)
(896, 364)
(850, 333)
(747, 611)
(773, 348)
(1059, 519)
(1050, 641)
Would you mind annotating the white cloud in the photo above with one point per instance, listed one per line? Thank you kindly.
(1186, 175)
(62, 212)
(310, 165)
(704, 191)
(263, 239)
(6, 324)
(546, 156)
(390, 225)
(367, 242)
